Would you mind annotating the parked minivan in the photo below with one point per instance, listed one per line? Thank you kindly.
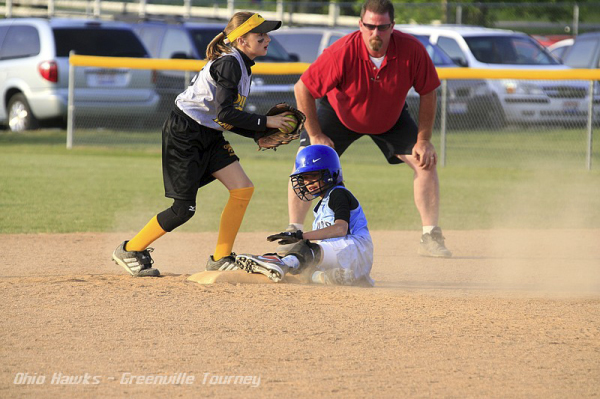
(34, 69)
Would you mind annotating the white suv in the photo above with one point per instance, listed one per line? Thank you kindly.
(34, 67)
(514, 101)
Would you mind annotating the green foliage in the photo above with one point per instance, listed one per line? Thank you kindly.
(492, 180)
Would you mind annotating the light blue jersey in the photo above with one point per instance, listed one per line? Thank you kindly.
(353, 251)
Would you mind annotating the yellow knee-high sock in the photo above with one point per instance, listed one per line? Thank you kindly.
(151, 232)
(231, 220)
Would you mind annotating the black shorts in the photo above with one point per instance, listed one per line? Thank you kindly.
(399, 140)
(191, 153)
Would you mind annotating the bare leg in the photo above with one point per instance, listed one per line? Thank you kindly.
(297, 209)
(426, 188)
(233, 176)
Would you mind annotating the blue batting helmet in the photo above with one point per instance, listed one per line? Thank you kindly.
(316, 158)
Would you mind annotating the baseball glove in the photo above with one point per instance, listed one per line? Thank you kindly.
(272, 137)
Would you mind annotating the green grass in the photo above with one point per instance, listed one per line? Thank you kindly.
(520, 179)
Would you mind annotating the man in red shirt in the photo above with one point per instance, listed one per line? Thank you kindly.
(362, 81)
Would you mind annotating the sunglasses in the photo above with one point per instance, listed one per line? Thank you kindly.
(381, 28)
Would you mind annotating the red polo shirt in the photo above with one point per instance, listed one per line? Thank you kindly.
(366, 99)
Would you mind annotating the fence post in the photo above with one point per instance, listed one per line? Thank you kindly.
(8, 12)
(334, 12)
(187, 5)
(70, 103)
(97, 8)
(51, 8)
(142, 10)
(590, 124)
(575, 19)
(279, 10)
(443, 123)
(230, 7)
(459, 14)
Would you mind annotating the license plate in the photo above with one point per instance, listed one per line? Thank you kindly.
(570, 106)
(107, 78)
(457, 108)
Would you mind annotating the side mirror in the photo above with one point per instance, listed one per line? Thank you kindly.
(179, 56)
(461, 62)
(294, 57)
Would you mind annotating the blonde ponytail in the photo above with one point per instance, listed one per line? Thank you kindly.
(217, 47)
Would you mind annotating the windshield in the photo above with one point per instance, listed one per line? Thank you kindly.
(276, 53)
(438, 56)
(516, 50)
(304, 45)
(582, 53)
(100, 42)
(202, 37)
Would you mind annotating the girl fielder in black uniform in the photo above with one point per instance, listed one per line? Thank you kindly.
(194, 151)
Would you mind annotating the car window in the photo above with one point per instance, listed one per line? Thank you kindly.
(105, 42)
(276, 53)
(151, 36)
(581, 54)
(333, 38)
(508, 50)
(559, 52)
(201, 38)
(438, 57)
(3, 30)
(451, 47)
(175, 41)
(305, 45)
(20, 41)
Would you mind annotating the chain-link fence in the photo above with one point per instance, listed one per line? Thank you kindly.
(476, 125)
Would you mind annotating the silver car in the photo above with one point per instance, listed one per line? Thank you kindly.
(500, 101)
(34, 69)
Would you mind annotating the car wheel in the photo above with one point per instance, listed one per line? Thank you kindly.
(20, 117)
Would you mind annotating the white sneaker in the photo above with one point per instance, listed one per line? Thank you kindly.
(268, 264)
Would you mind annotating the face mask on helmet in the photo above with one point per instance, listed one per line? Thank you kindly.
(311, 185)
(317, 169)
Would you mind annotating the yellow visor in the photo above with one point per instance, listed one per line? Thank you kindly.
(255, 24)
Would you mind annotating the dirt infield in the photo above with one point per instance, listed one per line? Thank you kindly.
(513, 314)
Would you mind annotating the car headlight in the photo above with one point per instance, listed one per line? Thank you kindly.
(523, 88)
(258, 81)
